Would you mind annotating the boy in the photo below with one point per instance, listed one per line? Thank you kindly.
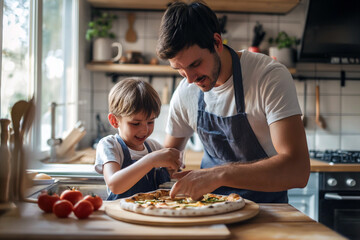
(129, 161)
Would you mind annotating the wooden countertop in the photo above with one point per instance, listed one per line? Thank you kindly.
(193, 159)
(274, 221)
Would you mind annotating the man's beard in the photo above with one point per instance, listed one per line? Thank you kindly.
(214, 74)
(216, 70)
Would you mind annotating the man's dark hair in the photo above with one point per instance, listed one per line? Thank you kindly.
(184, 25)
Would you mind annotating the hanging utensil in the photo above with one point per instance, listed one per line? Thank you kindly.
(318, 118)
(131, 34)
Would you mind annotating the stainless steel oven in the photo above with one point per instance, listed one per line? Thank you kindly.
(339, 202)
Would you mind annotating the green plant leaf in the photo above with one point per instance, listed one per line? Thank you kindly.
(283, 40)
(100, 25)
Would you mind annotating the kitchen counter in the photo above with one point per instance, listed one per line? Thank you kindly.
(320, 166)
(274, 221)
(193, 160)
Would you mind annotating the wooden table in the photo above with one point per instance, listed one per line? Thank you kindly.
(274, 221)
(281, 221)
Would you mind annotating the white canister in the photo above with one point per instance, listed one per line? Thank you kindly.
(102, 50)
(283, 55)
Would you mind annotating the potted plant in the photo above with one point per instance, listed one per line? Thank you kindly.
(284, 50)
(99, 30)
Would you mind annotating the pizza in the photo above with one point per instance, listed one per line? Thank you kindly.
(159, 203)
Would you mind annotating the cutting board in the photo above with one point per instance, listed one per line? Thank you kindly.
(250, 210)
(29, 222)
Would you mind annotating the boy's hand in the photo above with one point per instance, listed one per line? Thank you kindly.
(166, 157)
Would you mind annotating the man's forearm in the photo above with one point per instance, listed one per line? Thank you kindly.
(278, 173)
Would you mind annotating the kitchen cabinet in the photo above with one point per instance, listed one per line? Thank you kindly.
(245, 6)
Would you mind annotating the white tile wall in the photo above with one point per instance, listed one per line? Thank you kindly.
(340, 106)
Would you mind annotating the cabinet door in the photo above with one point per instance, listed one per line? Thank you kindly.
(306, 199)
(305, 203)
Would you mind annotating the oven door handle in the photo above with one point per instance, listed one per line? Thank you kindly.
(335, 196)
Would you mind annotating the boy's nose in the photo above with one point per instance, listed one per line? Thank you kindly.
(145, 128)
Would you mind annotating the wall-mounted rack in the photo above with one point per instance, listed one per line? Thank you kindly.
(342, 77)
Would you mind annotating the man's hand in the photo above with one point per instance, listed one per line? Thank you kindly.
(194, 183)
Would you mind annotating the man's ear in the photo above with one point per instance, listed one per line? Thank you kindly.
(218, 42)
(113, 121)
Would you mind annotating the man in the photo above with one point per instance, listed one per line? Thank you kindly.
(243, 106)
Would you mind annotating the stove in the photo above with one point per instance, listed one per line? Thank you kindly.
(336, 156)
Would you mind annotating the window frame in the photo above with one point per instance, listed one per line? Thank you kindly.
(36, 68)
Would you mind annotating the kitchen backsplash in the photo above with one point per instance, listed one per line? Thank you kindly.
(339, 105)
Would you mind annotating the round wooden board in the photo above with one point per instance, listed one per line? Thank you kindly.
(113, 209)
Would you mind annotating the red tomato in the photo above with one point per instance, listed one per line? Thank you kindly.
(46, 201)
(62, 208)
(95, 200)
(72, 195)
(83, 209)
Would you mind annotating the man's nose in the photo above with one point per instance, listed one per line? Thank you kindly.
(190, 76)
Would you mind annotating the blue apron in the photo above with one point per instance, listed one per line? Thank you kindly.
(149, 182)
(231, 139)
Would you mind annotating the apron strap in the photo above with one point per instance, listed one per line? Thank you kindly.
(124, 148)
(237, 79)
(147, 147)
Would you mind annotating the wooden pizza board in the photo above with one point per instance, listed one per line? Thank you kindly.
(113, 209)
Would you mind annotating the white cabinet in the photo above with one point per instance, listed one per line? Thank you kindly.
(306, 199)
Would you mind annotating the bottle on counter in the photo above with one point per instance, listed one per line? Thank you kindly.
(5, 167)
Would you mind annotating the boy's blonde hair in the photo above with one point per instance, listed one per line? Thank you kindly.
(131, 96)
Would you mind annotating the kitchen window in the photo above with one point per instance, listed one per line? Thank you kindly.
(39, 43)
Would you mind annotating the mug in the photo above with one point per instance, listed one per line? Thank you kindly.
(102, 50)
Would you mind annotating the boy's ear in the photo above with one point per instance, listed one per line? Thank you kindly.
(113, 121)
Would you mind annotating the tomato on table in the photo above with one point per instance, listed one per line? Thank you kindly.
(83, 209)
(62, 208)
(95, 200)
(46, 200)
(72, 195)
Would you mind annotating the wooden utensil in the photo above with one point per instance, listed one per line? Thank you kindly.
(17, 112)
(318, 118)
(28, 119)
(131, 34)
(4, 123)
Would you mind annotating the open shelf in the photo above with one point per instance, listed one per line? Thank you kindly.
(142, 69)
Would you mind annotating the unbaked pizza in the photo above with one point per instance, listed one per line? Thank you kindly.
(159, 203)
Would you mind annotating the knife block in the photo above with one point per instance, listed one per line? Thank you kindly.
(67, 148)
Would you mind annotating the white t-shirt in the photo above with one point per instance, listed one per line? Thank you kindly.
(109, 150)
(269, 91)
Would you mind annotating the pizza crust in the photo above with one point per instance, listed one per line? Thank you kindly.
(196, 209)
